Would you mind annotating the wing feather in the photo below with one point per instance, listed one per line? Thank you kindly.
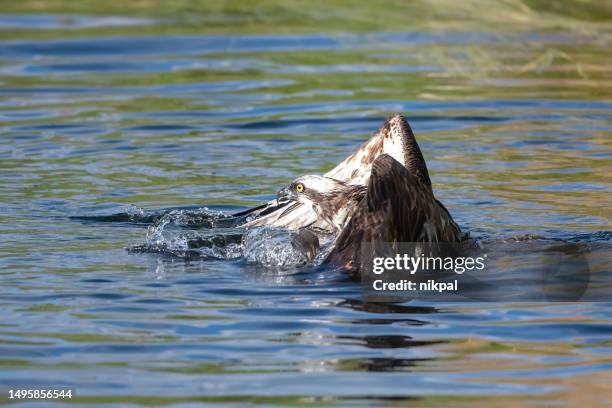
(291, 217)
(394, 138)
(398, 207)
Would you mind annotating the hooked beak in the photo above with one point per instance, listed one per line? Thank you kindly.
(285, 195)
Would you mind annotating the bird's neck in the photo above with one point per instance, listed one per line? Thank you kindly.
(338, 206)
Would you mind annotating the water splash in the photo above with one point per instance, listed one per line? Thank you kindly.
(207, 234)
(198, 217)
(200, 233)
(278, 248)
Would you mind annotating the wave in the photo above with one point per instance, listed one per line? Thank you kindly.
(208, 234)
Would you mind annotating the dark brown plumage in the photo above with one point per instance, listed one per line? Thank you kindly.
(394, 138)
(413, 158)
(380, 194)
(398, 207)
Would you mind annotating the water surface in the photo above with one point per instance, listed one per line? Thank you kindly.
(516, 132)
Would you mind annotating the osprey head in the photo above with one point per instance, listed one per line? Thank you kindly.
(332, 200)
(310, 190)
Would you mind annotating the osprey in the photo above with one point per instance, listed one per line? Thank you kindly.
(382, 192)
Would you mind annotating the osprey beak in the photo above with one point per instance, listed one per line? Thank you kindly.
(285, 195)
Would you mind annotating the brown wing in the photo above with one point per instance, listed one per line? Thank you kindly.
(394, 138)
(398, 207)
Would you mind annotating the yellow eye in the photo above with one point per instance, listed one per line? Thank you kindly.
(299, 187)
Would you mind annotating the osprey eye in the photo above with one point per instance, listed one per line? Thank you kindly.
(299, 187)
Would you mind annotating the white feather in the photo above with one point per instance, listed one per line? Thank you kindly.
(354, 170)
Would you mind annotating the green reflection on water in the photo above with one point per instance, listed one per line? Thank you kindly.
(291, 16)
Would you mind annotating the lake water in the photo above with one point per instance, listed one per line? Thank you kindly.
(516, 130)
